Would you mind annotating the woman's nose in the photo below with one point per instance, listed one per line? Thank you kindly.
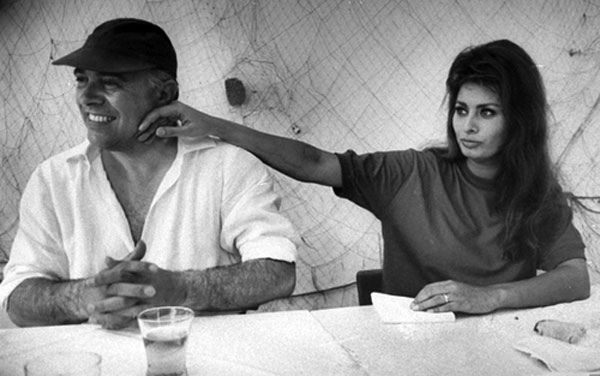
(471, 125)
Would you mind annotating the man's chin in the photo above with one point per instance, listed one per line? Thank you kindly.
(100, 142)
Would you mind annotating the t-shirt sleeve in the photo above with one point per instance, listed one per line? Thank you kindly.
(36, 250)
(372, 180)
(251, 221)
(568, 245)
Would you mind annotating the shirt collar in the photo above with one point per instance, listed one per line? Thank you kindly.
(89, 152)
(185, 145)
(482, 183)
(84, 151)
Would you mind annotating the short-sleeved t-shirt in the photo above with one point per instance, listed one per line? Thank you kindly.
(439, 223)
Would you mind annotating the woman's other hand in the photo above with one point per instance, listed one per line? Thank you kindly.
(455, 296)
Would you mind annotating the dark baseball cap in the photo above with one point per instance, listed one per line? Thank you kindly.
(124, 45)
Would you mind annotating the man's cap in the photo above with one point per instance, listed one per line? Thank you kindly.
(124, 45)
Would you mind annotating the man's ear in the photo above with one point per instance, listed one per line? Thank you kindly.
(168, 92)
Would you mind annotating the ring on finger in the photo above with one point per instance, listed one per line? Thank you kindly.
(446, 298)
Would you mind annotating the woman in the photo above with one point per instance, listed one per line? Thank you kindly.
(465, 227)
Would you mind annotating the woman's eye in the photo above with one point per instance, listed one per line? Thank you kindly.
(461, 111)
(488, 113)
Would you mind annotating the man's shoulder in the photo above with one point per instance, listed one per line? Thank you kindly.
(226, 153)
(230, 149)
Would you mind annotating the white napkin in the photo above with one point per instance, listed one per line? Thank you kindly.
(560, 356)
(396, 309)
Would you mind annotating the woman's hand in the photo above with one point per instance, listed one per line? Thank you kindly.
(175, 120)
(455, 296)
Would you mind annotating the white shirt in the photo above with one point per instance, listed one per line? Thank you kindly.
(215, 206)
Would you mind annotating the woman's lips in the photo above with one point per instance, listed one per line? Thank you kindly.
(470, 144)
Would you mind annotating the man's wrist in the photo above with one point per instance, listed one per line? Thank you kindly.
(182, 294)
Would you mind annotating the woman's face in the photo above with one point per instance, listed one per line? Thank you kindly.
(478, 122)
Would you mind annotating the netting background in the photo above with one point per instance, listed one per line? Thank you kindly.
(361, 74)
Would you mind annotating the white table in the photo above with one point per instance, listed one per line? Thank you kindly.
(341, 341)
(472, 345)
(280, 343)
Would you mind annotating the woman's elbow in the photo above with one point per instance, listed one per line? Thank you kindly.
(288, 281)
(575, 279)
(583, 290)
(579, 284)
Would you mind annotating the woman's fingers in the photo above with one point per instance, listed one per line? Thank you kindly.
(171, 111)
(437, 297)
(181, 131)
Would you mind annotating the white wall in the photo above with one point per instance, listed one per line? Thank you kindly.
(366, 75)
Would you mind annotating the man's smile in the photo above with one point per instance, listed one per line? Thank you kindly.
(100, 118)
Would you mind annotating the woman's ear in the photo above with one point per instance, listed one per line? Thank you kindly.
(168, 92)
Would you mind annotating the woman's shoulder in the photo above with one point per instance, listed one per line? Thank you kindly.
(432, 160)
(393, 165)
(426, 162)
(406, 156)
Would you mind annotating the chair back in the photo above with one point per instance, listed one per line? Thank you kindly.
(368, 281)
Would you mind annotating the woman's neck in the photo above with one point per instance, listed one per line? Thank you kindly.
(487, 170)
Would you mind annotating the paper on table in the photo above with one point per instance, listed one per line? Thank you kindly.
(396, 309)
(560, 356)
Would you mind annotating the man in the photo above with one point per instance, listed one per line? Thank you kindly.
(114, 225)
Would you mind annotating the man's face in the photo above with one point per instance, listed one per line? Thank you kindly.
(113, 105)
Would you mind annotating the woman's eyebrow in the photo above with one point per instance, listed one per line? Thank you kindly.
(490, 104)
(495, 104)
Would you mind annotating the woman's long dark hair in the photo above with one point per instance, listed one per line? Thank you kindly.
(528, 195)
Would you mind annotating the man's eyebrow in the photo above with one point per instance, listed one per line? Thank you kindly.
(120, 76)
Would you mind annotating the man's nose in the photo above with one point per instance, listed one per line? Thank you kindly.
(90, 94)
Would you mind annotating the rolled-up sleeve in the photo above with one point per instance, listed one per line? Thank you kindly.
(568, 245)
(36, 250)
(252, 222)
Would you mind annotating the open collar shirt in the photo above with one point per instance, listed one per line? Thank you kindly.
(215, 206)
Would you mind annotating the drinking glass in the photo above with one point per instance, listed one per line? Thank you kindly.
(165, 331)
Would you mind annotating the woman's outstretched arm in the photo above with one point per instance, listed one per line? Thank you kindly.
(296, 159)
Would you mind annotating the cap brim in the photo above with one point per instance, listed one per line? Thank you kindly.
(101, 61)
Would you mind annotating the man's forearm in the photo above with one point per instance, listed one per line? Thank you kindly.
(238, 286)
(40, 301)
